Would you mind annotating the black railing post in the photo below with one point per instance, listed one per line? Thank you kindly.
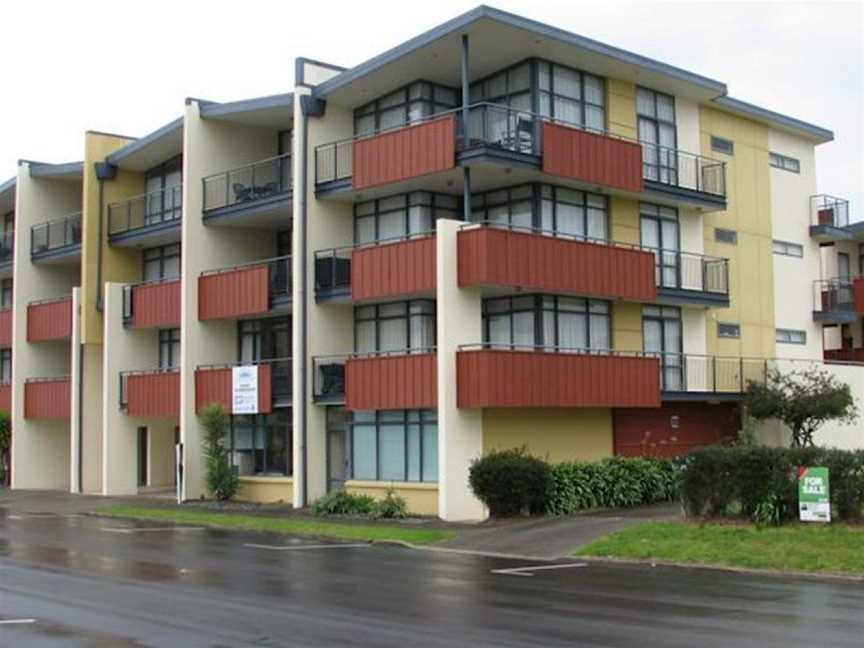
(713, 360)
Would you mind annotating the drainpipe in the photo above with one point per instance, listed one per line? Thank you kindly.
(466, 92)
(104, 171)
(80, 409)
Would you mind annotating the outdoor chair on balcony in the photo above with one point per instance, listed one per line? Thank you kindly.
(333, 379)
(332, 272)
(242, 193)
(262, 191)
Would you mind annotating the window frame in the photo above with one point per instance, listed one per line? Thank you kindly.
(5, 366)
(788, 248)
(375, 107)
(718, 145)
(160, 254)
(408, 316)
(162, 171)
(169, 344)
(7, 293)
(262, 421)
(733, 236)
(784, 162)
(436, 204)
(385, 418)
(790, 334)
(729, 327)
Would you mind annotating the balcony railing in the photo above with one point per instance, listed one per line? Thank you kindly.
(690, 271)
(828, 211)
(518, 131)
(328, 371)
(158, 393)
(145, 211)
(835, 356)
(834, 296)
(7, 247)
(246, 289)
(58, 234)
(47, 398)
(249, 183)
(275, 384)
(154, 303)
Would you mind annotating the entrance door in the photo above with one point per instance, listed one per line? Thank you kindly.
(337, 448)
(661, 331)
(142, 456)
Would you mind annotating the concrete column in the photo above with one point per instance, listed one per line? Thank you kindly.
(460, 431)
(74, 389)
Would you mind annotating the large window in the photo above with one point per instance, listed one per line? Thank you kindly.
(571, 96)
(656, 116)
(510, 87)
(164, 199)
(265, 339)
(402, 216)
(169, 348)
(662, 336)
(660, 232)
(545, 207)
(563, 323)
(261, 443)
(6, 366)
(394, 445)
(162, 262)
(409, 104)
(398, 326)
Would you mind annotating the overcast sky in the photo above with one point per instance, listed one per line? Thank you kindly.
(126, 67)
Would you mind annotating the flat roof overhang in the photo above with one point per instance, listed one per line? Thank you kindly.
(146, 152)
(64, 171)
(275, 112)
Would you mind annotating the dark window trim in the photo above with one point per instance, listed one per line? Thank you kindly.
(160, 254)
(720, 231)
(730, 326)
(719, 144)
(377, 318)
(260, 420)
(168, 338)
(377, 212)
(424, 417)
(790, 332)
(781, 161)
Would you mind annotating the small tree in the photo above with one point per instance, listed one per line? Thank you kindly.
(803, 400)
(5, 443)
(221, 480)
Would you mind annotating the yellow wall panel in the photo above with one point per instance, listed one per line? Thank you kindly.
(627, 326)
(266, 489)
(421, 498)
(621, 103)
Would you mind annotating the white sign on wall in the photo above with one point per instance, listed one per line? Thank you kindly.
(244, 390)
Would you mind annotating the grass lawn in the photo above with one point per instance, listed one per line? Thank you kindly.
(346, 531)
(812, 548)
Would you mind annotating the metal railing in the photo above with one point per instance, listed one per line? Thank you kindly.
(834, 295)
(7, 246)
(249, 183)
(328, 371)
(279, 276)
(281, 376)
(519, 131)
(124, 381)
(129, 289)
(49, 300)
(146, 210)
(56, 234)
(829, 211)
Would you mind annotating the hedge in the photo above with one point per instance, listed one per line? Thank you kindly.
(762, 483)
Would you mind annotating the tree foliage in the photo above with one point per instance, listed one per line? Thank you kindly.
(220, 476)
(803, 400)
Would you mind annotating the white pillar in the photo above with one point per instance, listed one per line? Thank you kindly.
(460, 431)
(75, 390)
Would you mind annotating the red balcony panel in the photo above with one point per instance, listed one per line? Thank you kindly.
(499, 257)
(153, 394)
(391, 382)
(234, 293)
(214, 386)
(492, 378)
(6, 397)
(156, 305)
(405, 153)
(47, 399)
(6, 328)
(858, 293)
(843, 355)
(394, 269)
(592, 157)
(49, 320)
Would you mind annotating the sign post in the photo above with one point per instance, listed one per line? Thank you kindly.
(244, 389)
(814, 495)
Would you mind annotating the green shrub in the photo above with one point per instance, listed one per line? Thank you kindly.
(761, 483)
(342, 503)
(393, 506)
(511, 482)
(220, 477)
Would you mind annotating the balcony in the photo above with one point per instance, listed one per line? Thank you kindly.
(500, 135)
(152, 218)
(6, 328)
(838, 301)
(6, 397)
(152, 304)
(49, 319)
(251, 289)
(835, 356)
(7, 250)
(493, 256)
(689, 278)
(213, 384)
(57, 241)
(404, 379)
(386, 269)
(153, 393)
(829, 218)
(688, 376)
(47, 398)
(255, 194)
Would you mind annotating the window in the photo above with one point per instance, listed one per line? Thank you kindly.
(510, 87)
(7, 241)
(725, 236)
(561, 210)
(788, 249)
(5, 366)
(656, 122)
(721, 145)
(728, 330)
(560, 323)
(659, 231)
(264, 339)
(261, 443)
(164, 196)
(402, 216)
(791, 336)
(162, 262)
(409, 104)
(398, 326)
(394, 445)
(169, 348)
(779, 161)
(5, 294)
(571, 96)
(662, 336)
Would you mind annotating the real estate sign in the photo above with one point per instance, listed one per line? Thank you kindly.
(814, 495)
(244, 390)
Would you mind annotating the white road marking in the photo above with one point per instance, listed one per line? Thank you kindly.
(15, 517)
(143, 529)
(15, 621)
(524, 571)
(303, 547)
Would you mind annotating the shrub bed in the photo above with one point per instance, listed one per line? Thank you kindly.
(347, 504)
(761, 483)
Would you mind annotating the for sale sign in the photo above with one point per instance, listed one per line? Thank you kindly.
(814, 495)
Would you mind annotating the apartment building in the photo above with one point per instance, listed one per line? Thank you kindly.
(450, 248)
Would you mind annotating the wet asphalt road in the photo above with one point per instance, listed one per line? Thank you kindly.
(97, 582)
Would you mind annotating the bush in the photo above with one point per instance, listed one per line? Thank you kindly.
(511, 482)
(221, 479)
(393, 506)
(342, 503)
(614, 483)
(761, 483)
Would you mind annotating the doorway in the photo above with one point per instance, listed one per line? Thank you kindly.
(337, 448)
(661, 332)
(142, 456)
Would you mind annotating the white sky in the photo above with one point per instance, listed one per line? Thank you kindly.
(126, 67)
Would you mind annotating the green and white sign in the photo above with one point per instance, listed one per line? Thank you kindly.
(814, 495)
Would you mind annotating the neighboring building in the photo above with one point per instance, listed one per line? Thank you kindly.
(447, 249)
